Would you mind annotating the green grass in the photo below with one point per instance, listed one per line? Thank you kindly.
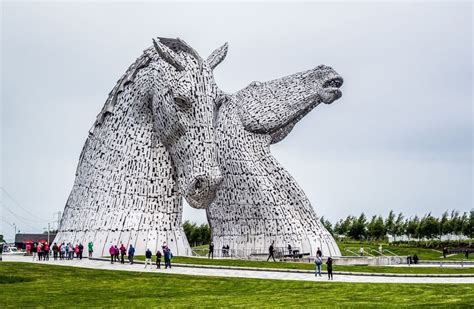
(59, 286)
(422, 253)
(310, 266)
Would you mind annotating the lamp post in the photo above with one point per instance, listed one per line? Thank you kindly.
(47, 230)
(14, 234)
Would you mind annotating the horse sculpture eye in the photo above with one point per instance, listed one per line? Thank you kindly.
(182, 103)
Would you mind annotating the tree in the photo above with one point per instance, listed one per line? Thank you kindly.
(412, 227)
(327, 225)
(197, 235)
(446, 225)
(429, 226)
(456, 221)
(465, 225)
(400, 227)
(370, 228)
(189, 228)
(470, 226)
(1, 238)
(205, 234)
(358, 228)
(342, 227)
(376, 228)
(390, 223)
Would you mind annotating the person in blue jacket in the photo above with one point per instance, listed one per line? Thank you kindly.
(168, 257)
(131, 253)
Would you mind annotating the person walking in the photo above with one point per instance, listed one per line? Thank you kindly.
(271, 251)
(319, 253)
(76, 251)
(117, 253)
(361, 251)
(168, 257)
(329, 263)
(55, 251)
(62, 250)
(158, 259)
(112, 253)
(66, 249)
(46, 251)
(318, 261)
(39, 250)
(81, 249)
(289, 250)
(70, 251)
(90, 247)
(148, 257)
(131, 253)
(34, 249)
(211, 250)
(123, 251)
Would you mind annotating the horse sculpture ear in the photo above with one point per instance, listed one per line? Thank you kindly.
(217, 56)
(168, 55)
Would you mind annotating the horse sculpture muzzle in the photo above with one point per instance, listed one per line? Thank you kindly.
(202, 189)
(331, 82)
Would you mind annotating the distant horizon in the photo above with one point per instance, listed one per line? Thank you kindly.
(401, 136)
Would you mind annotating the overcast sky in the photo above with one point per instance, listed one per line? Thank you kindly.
(399, 138)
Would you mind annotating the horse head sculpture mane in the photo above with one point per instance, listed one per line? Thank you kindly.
(152, 143)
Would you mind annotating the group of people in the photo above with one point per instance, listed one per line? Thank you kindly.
(117, 254)
(318, 260)
(167, 254)
(41, 251)
(225, 251)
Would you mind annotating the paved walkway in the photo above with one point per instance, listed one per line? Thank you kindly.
(98, 264)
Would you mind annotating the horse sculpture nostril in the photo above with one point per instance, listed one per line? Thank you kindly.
(206, 183)
(197, 184)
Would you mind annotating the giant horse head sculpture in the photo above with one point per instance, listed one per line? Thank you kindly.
(184, 102)
(152, 144)
(259, 202)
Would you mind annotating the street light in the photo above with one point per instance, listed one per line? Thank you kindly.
(48, 231)
(14, 235)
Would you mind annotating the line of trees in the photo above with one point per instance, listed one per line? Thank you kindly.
(396, 225)
(197, 234)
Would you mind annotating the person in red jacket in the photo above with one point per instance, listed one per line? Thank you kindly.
(123, 251)
(46, 251)
(76, 251)
(112, 254)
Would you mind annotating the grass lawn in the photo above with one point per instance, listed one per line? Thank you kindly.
(310, 266)
(26, 285)
(422, 253)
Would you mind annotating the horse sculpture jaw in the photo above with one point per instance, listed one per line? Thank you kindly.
(330, 90)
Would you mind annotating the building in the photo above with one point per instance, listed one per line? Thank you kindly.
(22, 239)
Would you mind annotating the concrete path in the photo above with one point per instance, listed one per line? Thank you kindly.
(237, 273)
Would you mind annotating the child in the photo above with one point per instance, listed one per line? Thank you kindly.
(329, 266)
